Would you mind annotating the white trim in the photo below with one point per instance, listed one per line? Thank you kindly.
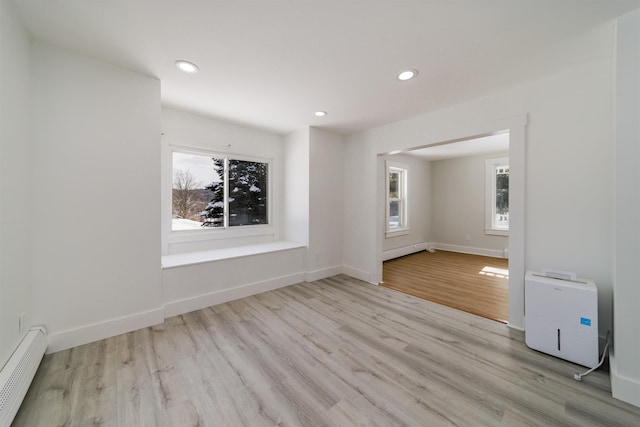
(515, 327)
(490, 196)
(397, 232)
(186, 305)
(623, 388)
(403, 171)
(201, 257)
(356, 273)
(311, 276)
(516, 125)
(496, 232)
(494, 253)
(109, 328)
(517, 218)
(219, 233)
(185, 236)
(216, 153)
(225, 194)
(405, 250)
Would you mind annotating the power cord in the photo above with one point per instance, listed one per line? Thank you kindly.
(578, 377)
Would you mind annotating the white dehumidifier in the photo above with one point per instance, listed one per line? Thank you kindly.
(561, 317)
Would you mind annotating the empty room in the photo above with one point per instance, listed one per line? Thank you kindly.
(458, 194)
(200, 200)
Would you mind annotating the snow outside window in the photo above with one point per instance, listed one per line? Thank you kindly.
(396, 190)
(217, 192)
(497, 196)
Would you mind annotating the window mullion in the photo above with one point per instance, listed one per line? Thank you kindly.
(494, 197)
(226, 193)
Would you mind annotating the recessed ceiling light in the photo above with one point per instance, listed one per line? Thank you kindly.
(187, 67)
(320, 113)
(407, 75)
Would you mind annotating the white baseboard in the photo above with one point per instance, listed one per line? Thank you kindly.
(89, 333)
(405, 250)
(623, 388)
(515, 327)
(186, 305)
(85, 334)
(356, 273)
(322, 273)
(495, 253)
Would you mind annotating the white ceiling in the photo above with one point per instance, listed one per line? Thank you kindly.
(271, 63)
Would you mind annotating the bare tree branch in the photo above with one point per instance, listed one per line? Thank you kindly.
(185, 195)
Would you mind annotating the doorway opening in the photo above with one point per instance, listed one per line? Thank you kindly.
(455, 248)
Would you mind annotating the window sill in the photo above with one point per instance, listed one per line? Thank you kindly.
(396, 233)
(496, 232)
(184, 236)
(192, 258)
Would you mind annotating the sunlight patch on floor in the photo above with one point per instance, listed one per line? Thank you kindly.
(500, 273)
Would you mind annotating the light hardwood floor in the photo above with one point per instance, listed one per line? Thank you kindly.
(336, 352)
(472, 283)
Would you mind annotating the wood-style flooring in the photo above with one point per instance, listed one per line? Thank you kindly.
(336, 352)
(472, 283)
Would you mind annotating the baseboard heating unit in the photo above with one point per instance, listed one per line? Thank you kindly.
(561, 317)
(17, 374)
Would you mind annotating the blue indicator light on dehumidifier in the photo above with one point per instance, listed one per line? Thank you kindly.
(584, 321)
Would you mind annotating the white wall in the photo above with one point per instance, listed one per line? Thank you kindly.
(183, 129)
(569, 147)
(196, 286)
(458, 206)
(326, 204)
(15, 181)
(296, 187)
(96, 197)
(360, 251)
(625, 358)
(419, 205)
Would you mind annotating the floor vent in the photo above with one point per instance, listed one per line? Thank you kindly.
(17, 374)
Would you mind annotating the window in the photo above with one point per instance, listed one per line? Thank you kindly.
(497, 196)
(396, 189)
(218, 192)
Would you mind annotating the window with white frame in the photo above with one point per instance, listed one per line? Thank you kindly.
(217, 191)
(497, 196)
(396, 191)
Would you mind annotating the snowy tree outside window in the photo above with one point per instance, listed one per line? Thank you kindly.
(218, 192)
